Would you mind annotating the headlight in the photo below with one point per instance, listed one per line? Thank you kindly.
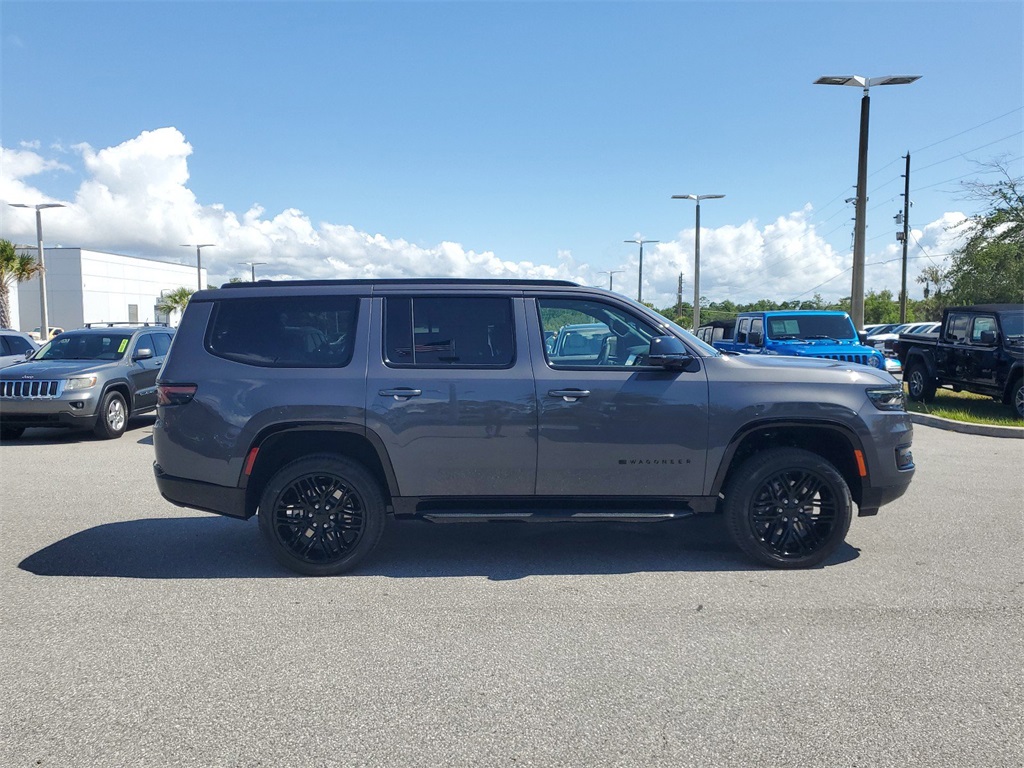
(874, 362)
(887, 398)
(80, 382)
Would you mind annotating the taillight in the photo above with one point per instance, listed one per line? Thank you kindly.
(175, 394)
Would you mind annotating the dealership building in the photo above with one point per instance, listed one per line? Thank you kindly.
(84, 286)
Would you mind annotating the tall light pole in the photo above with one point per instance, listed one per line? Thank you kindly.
(44, 319)
(610, 273)
(640, 281)
(696, 255)
(199, 259)
(860, 220)
(253, 265)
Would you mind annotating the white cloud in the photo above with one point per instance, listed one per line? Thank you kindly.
(135, 198)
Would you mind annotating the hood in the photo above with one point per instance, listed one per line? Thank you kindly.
(51, 369)
(784, 368)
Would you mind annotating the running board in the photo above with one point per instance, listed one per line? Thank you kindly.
(490, 516)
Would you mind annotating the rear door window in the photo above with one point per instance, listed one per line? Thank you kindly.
(444, 332)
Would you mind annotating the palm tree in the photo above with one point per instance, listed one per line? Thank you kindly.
(14, 268)
(175, 301)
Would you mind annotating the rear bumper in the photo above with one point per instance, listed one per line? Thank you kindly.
(207, 497)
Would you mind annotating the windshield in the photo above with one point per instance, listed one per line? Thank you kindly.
(85, 346)
(800, 326)
(1013, 324)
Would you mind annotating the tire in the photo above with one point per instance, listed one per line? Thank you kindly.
(112, 419)
(920, 386)
(788, 508)
(1018, 398)
(11, 433)
(321, 515)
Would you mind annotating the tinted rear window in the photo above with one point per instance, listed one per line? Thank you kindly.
(285, 331)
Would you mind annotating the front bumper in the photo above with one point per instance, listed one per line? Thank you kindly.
(78, 412)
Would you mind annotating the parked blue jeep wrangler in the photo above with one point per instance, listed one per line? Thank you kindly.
(800, 334)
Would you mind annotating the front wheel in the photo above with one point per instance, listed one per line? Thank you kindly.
(920, 385)
(788, 508)
(113, 416)
(321, 515)
(1018, 398)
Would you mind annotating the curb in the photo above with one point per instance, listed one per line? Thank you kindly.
(988, 430)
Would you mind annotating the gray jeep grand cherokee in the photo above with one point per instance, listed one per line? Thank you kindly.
(91, 378)
(326, 406)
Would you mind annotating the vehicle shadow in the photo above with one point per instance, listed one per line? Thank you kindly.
(221, 548)
(137, 425)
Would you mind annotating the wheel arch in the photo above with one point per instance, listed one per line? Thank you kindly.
(834, 442)
(918, 357)
(122, 388)
(278, 447)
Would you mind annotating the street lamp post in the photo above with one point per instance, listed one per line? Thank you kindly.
(610, 273)
(199, 259)
(860, 220)
(44, 319)
(253, 265)
(640, 281)
(696, 254)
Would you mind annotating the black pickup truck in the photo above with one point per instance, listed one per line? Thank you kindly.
(978, 349)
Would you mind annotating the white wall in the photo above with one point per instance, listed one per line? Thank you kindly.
(84, 286)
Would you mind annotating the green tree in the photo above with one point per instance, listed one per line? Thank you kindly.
(989, 266)
(14, 268)
(882, 308)
(175, 301)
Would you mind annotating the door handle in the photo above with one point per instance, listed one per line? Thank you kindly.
(569, 395)
(401, 393)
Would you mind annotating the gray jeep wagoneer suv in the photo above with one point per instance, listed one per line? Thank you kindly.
(325, 406)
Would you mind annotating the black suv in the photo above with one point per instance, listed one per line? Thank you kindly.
(91, 378)
(325, 406)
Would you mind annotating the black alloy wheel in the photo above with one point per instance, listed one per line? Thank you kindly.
(788, 508)
(321, 515)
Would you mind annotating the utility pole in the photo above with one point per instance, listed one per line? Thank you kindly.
(640, 281)
(904, 236)
(610, 273)
(679, 300)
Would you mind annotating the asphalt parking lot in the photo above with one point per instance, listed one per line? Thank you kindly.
(135, 633)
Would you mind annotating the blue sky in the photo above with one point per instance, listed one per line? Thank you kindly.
(334, 139)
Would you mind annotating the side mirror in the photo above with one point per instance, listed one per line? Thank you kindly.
(988, 337)
(862, 337)
(142, 354)
(669, 353)
(756, 338)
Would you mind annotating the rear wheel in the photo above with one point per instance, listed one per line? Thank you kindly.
(321, 515)
(113, 416)
(920, 385)
(788, 508)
